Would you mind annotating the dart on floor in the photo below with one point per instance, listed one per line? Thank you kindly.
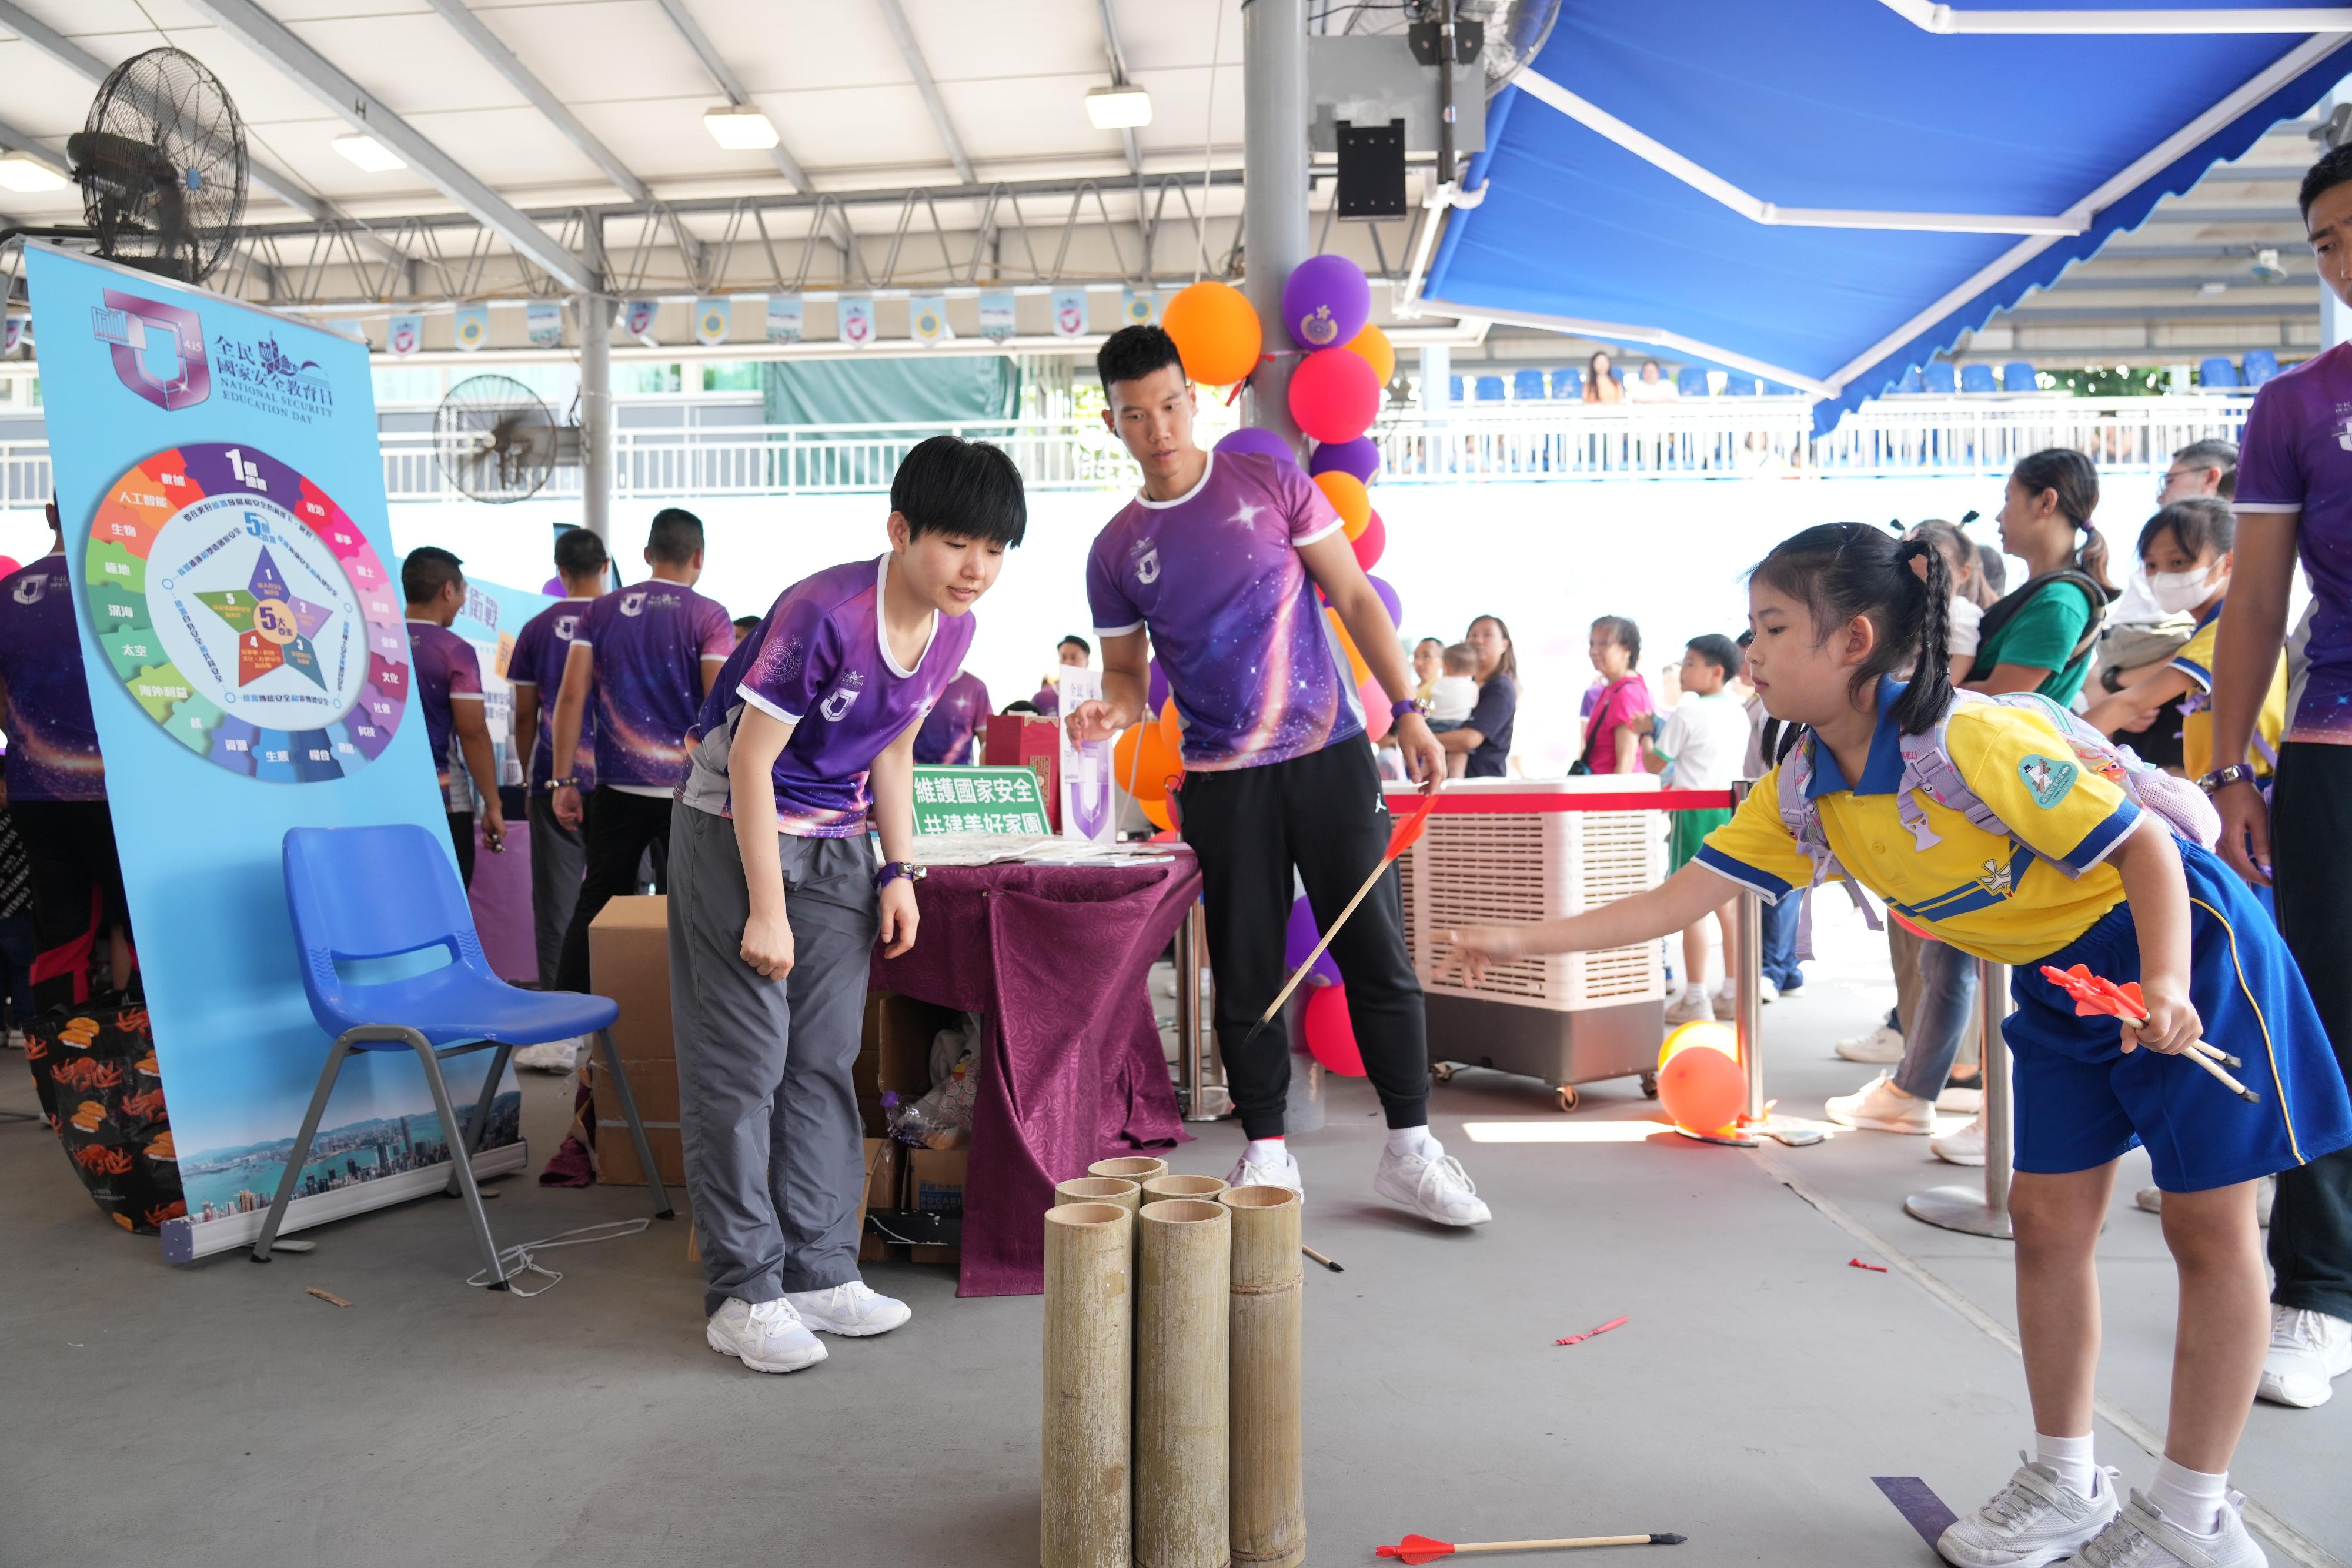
(1421, 1548)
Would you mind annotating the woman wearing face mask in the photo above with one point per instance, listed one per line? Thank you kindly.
(2186, 550)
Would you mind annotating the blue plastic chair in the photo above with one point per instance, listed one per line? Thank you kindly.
(1976, 379)
(1691, 380)
(2259, 366)
(359, 895)
(1940, 377)
(1490, 389)
(1738, 385)
(2217, 372)
(1454, 389)
(1912, 381)
(2018, 376)
(1527, 386)
(1567, 384)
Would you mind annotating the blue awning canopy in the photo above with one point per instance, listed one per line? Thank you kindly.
(1827, 195)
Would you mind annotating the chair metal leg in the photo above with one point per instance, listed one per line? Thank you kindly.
(462, 1158)
(301, 1149)
(481, 1116)
(662, 1210)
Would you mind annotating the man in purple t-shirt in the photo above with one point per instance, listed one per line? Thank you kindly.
(449, 690)
(775, 903)
(2295, 498)
(559, 855)
(646, 655)
(1218, 561)
(951, 735)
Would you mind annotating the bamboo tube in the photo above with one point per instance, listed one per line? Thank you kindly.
(1205, 1188)
(1112, 1190)
(1087, 1518)
(1269, 1294)
(1184, 1262)
(1135, 1168)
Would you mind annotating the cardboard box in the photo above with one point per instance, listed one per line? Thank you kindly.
(885, 1170)
(896, 1053)
(653, 1083)
(1017, 740)
(935, 1182)
(628, 960)
(617, 1156)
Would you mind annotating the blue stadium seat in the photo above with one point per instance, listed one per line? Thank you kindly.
(1738, 385)
(2217, 372)
(1940, 377)
(2260, 365)
(1527, 386)
(1490, 389)
(1976, 379)
(1567, 384)
(1454, 392)
(1691, 380)
(2018, 376)
(1911, 382)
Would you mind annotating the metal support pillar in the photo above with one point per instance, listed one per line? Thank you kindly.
(1984, 1213)
(594, 314)
(1273, 190)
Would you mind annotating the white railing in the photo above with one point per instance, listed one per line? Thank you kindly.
(1717, 438)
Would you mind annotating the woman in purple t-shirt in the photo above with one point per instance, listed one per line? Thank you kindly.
(1621, 714)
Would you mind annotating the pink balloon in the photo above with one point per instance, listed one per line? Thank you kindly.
(1335, 397)
(1369, 544)
(1331, 1033)
(1377, 716)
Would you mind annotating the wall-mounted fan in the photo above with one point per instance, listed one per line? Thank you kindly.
(498, 443)
(162, 165)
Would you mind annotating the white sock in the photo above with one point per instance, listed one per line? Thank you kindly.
(1413, 1141)
(2189, 1498)
(1271, 1151)
(2071, 1458)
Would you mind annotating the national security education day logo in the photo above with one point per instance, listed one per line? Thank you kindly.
(248, 614)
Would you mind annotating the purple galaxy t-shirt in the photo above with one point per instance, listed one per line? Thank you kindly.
(448, 672)
(536, 661)
(651, 639)
(52, 740)
(819, 662)
(951, 736)
(1257, 673)
(2297, 457)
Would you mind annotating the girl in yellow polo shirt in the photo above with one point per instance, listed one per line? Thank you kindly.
(1840, 612)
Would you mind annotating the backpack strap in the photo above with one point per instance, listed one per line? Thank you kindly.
(2006, 610)
(1802, 818)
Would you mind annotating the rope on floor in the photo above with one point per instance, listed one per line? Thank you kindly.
(518, 1259)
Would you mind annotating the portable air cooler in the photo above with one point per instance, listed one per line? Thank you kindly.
(1568, 1018)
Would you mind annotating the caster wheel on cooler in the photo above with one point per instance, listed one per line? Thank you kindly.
(1568, 1097)
(1441, 1072)
(1650, 1085)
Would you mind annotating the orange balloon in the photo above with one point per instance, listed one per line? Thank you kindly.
(1706, 1034)
(1348, 498)
(1377, 351)
(1131, 768)
(1702, 1089)
(1216, 332)
(1171, 730)
(1157, 810)
(1360, 672)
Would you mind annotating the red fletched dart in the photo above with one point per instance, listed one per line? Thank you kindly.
(1402, 836)
(1417, 1549)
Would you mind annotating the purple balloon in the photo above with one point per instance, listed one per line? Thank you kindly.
(1360, 457)
(1326, 302)
(1299, 939)
(1249, 438)
(1388, 597)
(553, 588)
(1157, 696)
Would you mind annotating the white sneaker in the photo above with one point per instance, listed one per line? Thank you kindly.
(1433, 1183)
(2028, 1522)
(1876, 1106)
(555, 1056)
(2308, 1351)
(768, 1337)
(2151, 1198)
(1726, 1003)
(1962, 1101)
(1879, 1048)
(1689, 1007)
(1963, 1148)
(1770, 992)
(2141, 1537)
(852, 1310)
(1248, 1172)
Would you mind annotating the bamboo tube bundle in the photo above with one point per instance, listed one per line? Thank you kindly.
(1205, 1188)
(1268, 1300)
(1134, 1168)
(1087, 1513)
(1115, 1190)
(1184, 1266)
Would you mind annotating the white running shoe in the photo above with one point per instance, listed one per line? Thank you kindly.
(1965, 1146)
(1880, 1047)
(2308, 1351)
(853, 1311)
(1876, 1106)
(2141, 1537)
(1962, 1101)
(1770, 992)
(555, 1056)
(1433, 1183)
(2030, 1521)
(768, 1337)
(1248, 1172)
(1689, 1007)
(1726, 1003)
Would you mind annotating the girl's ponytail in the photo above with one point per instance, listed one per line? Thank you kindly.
(1930, 692)
(2093, 554)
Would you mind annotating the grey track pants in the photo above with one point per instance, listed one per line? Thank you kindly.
(558, 857)
(775, 1157)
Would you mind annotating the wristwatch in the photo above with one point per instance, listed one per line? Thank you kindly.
(893, 870)
(2222, 777)
(1404, 706)
(571, 783)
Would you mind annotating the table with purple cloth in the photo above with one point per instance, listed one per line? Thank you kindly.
(1056, 961)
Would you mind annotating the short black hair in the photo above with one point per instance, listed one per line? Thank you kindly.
(964, 489)
(676, 536)
(579, 553)
(427, 568)
(1084, 646)
(2221, 455)
(1719, 651)
(2199, 523)
(746, 624)
(1020, 705)
(2334, 169)
(1132, 353)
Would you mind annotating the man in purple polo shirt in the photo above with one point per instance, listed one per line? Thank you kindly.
(449, 689)
(559, 856)
(1218, 561)
(951, 735)
(647, 655)
(2295, 498)
(776, 904)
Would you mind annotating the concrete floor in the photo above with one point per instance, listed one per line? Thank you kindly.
(215, 1414)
